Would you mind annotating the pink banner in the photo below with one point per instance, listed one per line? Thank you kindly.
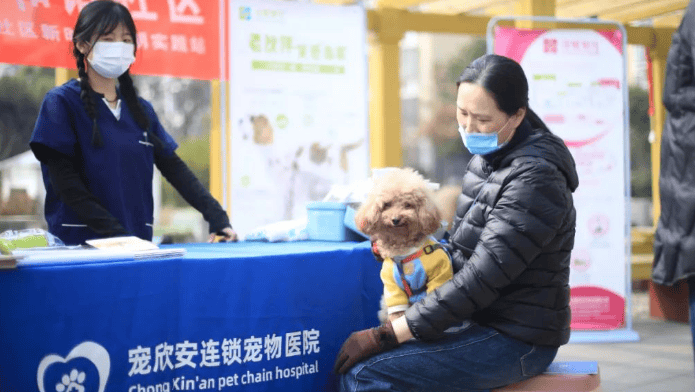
(576, 86)
(512, 42)
(596, 308)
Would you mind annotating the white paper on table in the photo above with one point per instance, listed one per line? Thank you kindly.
(58, 255)
(129, 243)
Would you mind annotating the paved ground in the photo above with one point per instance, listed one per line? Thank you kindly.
(662, 361)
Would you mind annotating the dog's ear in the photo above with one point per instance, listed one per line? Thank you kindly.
(429, 215)
(367, 216)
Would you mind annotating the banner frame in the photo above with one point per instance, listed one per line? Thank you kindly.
(627, 334)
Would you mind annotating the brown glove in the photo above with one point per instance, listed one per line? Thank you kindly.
(364, 344)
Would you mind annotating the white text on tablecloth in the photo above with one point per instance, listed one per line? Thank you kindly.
(230, 351)
(237, 379)
(225, 352)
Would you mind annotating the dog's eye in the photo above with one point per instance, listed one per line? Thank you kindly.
(408, 205)
(387, 204)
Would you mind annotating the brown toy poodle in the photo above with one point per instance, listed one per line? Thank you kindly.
(400, 216)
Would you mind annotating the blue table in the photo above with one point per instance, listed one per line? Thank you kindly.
(245, 316)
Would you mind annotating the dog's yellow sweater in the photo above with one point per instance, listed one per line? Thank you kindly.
(423, 271)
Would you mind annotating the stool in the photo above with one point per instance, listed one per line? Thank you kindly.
(561, 377)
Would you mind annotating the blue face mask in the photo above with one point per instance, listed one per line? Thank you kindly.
(482, 143)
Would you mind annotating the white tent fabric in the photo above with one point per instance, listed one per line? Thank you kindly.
(21, 171)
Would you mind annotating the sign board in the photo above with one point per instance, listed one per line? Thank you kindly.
(298, 107)
(577, 85)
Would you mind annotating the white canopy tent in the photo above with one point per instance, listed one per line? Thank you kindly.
(21, 171)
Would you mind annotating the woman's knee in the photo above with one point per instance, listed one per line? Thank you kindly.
(350, 381)
(367, 376)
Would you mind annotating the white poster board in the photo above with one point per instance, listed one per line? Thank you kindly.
(298, 107)
(577, 85)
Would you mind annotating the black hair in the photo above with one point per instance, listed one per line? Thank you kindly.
(96, 19)
(505, 80)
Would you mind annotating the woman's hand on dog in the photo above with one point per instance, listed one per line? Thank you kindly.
(364, 344)
(401, 329)
(394, 316)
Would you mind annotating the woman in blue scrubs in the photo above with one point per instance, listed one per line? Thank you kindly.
(98, 142)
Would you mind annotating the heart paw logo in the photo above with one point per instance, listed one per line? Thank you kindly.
(87, 364)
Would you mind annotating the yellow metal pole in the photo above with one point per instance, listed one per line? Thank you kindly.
(658, 72)
(62, 75)
(534, 8)
(216, 142)
(643, 238)
(401, 3)
(658, 53)
(384, 89)
(227, 172)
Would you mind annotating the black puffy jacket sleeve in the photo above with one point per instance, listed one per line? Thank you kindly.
(534, 205)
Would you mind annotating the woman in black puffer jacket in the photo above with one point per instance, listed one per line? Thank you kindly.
(506, 311)
(674, 240)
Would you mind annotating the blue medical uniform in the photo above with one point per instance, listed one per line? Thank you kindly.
(119, 174)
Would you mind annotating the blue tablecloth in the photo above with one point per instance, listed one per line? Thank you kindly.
(245, 316)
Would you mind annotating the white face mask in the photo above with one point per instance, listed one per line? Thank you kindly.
(112, 59)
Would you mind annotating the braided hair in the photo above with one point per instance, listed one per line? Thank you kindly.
(96, 19)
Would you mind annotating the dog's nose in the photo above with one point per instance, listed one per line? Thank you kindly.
(396, 221)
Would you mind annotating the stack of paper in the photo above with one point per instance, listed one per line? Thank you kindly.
(141, 249)
(109, 249)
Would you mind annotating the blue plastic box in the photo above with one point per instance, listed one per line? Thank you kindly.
(326, 221)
